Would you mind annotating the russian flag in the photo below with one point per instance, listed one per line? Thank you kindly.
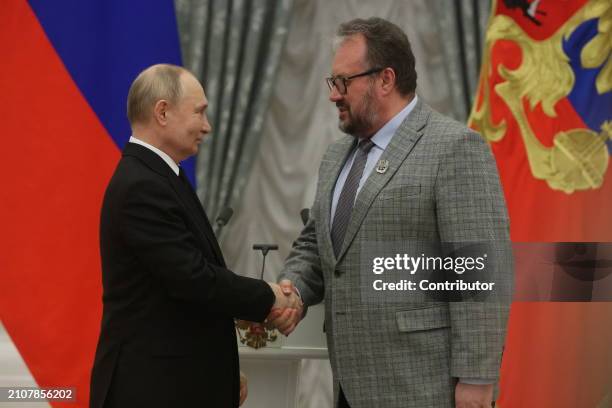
(65, 72)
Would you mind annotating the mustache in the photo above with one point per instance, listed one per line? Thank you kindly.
(341, 105)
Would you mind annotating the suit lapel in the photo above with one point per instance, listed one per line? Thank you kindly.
(396, 152)
(196, 213)
(339, 153)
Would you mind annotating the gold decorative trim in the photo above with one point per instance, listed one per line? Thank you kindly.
(578, 159)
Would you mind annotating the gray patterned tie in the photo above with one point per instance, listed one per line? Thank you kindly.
(344, 207)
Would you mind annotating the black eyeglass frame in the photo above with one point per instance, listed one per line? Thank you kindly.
(331, 81)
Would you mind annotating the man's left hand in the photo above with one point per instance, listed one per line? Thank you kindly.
(473, 395)
(244, 389)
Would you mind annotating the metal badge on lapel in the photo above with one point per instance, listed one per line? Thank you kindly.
(382, 166)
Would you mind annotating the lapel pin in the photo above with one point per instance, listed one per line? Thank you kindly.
(382, 166)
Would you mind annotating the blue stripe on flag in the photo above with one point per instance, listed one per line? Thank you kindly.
(104, 44)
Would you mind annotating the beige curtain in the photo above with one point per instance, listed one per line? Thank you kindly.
(234, 47)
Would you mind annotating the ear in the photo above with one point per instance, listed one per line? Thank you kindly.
(160, 111)
(388, 80)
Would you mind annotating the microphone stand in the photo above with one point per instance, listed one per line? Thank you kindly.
(264, 248)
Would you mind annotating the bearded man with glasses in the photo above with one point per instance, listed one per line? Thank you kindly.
(404, 173)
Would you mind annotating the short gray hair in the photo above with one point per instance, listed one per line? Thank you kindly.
(387, 46)
(161, 81)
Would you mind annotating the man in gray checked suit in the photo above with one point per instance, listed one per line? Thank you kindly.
(403, 173)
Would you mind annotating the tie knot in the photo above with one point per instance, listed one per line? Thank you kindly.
(365, 145)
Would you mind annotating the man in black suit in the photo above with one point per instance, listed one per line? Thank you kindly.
(167, 337)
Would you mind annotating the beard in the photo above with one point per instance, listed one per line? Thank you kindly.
(361, 120)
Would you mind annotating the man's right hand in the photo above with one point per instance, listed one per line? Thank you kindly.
(284, 299)
(473, 395)
(288, 309)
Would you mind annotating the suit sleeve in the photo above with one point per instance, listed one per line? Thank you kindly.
(154, 228)
(303, 265)
(471, 208)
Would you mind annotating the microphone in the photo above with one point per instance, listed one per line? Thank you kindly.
(264, 248)
(223, 218)
(305, 214)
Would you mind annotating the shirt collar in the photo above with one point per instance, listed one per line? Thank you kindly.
(164, 156)
(382, 138)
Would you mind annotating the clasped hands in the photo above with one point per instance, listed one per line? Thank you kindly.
(288, 307)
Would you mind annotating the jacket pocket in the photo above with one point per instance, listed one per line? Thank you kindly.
(434, 317)
(397, 193)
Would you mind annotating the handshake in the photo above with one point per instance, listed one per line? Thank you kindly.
(288, 307)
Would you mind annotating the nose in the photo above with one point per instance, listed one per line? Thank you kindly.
(206, 126)
(335, 95)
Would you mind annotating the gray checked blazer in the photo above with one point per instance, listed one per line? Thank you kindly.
(441, 185)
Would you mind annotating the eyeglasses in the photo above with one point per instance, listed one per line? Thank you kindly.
(341, 83)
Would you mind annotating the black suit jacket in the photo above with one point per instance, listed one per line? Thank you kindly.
(167, 337)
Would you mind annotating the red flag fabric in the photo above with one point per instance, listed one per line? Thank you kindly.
(545, 104)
